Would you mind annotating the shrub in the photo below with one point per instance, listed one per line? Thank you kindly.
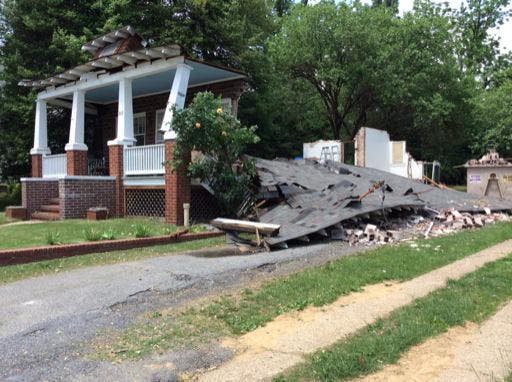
(221, 138)
(91, 234)
(52, 238)
(11, 197)
(141, 230)
(109, 234)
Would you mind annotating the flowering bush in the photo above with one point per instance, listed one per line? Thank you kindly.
(204, 126)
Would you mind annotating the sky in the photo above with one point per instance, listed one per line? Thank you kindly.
(504, 33)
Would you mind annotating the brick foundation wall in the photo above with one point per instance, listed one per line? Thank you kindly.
(37, 166)
(76, 162)
(116, 169)
(37, 191)
(177, 188)
(78, 194)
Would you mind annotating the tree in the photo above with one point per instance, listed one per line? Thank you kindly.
(221, 140)
(425, 97)
(331, 47)
(493, 113)
(392, 4)
(282, 7)
(479, 51)
(38, 39)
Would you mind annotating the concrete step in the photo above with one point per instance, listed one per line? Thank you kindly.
(40, 215)
(50, 208)
(54, 201)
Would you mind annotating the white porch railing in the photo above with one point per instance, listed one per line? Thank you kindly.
(54, 165)
(144, 160)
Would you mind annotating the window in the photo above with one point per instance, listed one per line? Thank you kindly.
(226, 104)
(159, 117)
(139, 129)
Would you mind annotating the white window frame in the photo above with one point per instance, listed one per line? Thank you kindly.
(158, 126)
(135, 134)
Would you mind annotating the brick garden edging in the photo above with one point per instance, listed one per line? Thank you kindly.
(29, 255)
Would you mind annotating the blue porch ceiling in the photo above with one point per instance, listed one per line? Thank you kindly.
(161, 82)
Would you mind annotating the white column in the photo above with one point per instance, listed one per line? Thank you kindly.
(176, 97)
(77, 125)
(40, 130)
(124, 115)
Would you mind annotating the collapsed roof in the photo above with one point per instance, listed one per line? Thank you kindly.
(312, 198)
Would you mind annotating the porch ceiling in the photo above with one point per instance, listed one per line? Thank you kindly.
(161, 82)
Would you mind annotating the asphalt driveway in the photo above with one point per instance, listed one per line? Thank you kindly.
(45, 321)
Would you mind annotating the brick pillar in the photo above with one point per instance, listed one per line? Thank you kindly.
(177, 188)
(115, 168)
(76, 162)
(37, 166)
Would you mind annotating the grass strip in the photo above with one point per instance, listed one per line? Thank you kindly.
(16, 272)
(323, 285)
(81, 230)
(316, 286)
(473, 298)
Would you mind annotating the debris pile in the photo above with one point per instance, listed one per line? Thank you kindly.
(415, 226)
(308, 200)
(492, 158)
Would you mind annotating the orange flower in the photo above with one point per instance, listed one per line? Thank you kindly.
(198, 125)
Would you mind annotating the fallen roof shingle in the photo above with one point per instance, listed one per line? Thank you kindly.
(316, 197)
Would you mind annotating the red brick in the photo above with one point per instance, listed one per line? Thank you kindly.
(28, 255)
(177, 187)
(37, 166)
(76, 162)
(16, 212)
(97, 214)
(36, 192)
(116, 169)
(77, 195)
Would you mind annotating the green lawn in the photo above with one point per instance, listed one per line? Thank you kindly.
(317, 286)
(79, 230)
(3, 219)
(16, 272)
(472, 298)
(460, 187)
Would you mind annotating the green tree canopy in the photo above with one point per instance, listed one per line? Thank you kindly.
(331, 46)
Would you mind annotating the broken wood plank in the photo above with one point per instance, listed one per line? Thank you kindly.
(246, 226)
(429, 229)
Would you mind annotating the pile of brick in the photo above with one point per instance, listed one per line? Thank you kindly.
(416, 226)
(452, 220)
(371, 234)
